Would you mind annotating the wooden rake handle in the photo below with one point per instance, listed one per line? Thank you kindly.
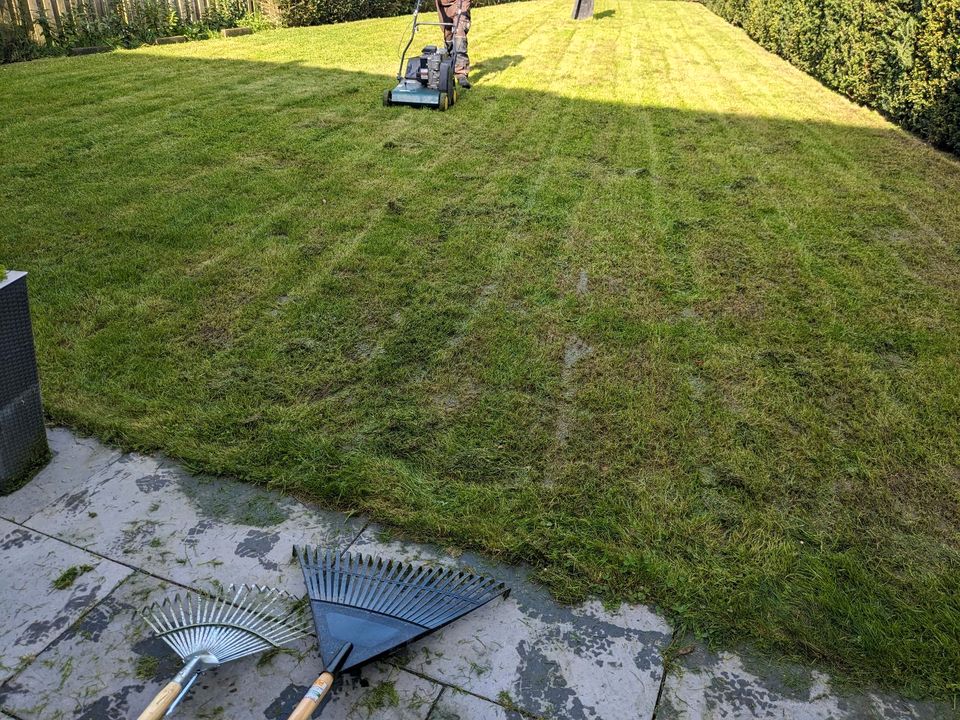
(321, 686)
(164, 699)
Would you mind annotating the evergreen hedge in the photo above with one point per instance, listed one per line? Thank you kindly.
(323, 12)
(901, 57)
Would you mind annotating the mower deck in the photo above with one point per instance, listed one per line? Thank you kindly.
(411, 92)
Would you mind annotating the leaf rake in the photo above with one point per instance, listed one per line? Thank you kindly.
(208, 631)
(365, 607)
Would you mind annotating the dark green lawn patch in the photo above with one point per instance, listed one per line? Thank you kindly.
(649, 309)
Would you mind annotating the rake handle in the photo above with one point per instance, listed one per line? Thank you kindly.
(164, 699)
(321, 686)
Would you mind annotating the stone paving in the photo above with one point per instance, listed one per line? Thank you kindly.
(136, 528)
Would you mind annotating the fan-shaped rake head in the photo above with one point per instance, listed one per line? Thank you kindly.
(378, 605)
(364, 607)
(207, 631)
(243, 621)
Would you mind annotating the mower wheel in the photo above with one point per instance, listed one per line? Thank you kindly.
(444, 103)
(448, 82)
(386, 98)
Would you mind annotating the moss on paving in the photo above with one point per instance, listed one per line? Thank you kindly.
(649, 309)
(146, 667)
(383, 695)
(69, 576)
(246, 507)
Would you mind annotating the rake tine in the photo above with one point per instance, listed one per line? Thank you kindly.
(357, 579)
(399, 578)
(474, 586)
(375, 582)
(361, 577)
(435, 612)
(328, 560)
(436, 604)
(422, 578)
(390, 570)
(438, 593)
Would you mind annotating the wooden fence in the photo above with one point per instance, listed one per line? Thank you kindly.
(26, 13)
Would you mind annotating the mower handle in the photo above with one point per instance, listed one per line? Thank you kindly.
(413, 34)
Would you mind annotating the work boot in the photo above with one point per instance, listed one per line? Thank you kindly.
(463, 81)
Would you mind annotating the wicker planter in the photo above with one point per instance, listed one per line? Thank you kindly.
(23, 439)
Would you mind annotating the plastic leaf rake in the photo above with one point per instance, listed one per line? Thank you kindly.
(208, 631)
(364, 607)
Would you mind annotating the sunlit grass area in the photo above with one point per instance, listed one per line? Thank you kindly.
(648, 309)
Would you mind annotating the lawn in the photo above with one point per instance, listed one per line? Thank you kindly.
(649, 309)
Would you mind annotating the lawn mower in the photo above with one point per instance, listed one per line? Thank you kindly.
(428, 80)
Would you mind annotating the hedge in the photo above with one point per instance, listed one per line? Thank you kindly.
(323, 12)
(900, 57)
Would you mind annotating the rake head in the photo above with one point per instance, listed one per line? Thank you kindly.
(207, 631)
(243, 621)
(379, 605)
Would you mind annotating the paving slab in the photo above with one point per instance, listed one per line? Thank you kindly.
(705, 685)
(455, 704)
(198, 531)
(75, 459)
(529, 652)
(109, 666)
(32, 611)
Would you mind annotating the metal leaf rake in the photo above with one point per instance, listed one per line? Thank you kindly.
(208, 631)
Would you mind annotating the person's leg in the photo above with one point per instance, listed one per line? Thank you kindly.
(460, 30)
(445, 10)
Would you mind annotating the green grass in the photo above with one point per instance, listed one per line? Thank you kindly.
(650, 309)
(69, 576)
(146, 667)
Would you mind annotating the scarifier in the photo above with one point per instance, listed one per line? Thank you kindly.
(208, 631)
(428, 80)
(364, 607)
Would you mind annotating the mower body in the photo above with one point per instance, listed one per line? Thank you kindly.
(428, 81)
(410, 92)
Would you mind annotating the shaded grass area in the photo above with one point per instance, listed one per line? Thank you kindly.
(649, 309)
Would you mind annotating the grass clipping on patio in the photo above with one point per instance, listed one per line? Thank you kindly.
(649, 309)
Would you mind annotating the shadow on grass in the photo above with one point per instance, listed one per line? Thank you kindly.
(495, 65)
(604, 14)
(357, 300)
